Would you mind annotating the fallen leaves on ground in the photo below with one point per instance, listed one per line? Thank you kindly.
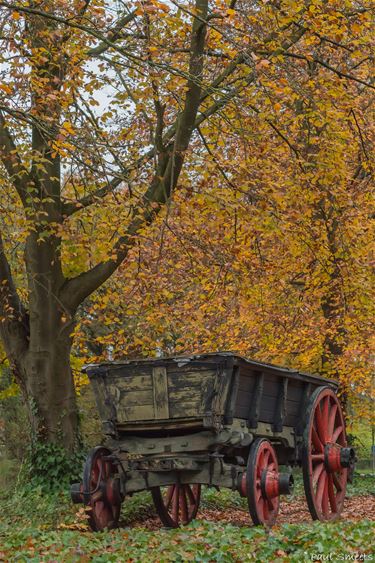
(294, 511)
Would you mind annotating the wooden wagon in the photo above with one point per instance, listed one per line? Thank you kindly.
(221, 420)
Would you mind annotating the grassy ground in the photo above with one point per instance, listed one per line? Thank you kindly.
(38, 527)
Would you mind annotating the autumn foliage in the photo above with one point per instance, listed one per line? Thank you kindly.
(182, 177)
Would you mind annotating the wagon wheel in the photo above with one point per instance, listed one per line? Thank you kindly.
(177, 504)
(260, 482)
(325, 457)
(101, 490)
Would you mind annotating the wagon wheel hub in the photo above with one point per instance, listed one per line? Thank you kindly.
(337, 458)
(269, 484)
(274, 484)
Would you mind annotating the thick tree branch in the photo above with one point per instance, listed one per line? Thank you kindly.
(113, 34)
(75, 290)
(13, 330)
(70, 207)
(9, 299)
(12, 162)
(165, 180)
(186, 121)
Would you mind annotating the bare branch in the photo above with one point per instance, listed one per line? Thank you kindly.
(340, 73)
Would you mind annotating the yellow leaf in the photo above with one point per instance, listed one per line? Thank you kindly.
(6, 88)
(68, 127)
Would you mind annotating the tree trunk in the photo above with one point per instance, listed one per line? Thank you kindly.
(45, 365)
(50, 390)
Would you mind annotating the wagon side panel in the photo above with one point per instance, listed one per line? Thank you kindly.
(271, 398)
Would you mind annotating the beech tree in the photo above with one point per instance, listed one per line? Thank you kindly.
(269, 252)
(101, 107)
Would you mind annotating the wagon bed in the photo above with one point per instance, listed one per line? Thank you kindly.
(220, 420)
(201, 391)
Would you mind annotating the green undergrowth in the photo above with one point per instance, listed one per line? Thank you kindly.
(38, 526)
(199, 541)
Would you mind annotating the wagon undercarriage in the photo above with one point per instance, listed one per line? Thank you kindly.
(215, 445)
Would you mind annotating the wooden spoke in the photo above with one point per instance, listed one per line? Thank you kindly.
(337, 433)
(177, 504)
(331, 421)
(331, 494)
(325, 414)
(183, 504)
(316, 440)
(317, 472)
(325, 497)
(337, 482)
(320, 425)
(169, 496)
(192, 498)
(320, 488)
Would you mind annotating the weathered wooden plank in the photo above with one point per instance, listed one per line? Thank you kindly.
(246, 384)
(128, 371)
(194, 393)
(139, 412)
(135, 398)
(307, 390)
(179, 380)
(133, 382)
(280, 409)
(254, 412)
(244, 400)
(207, 395)
(232, 395)
(160, 392)
(155, 427)
(185, 409)
(222, 386)
(103, 400)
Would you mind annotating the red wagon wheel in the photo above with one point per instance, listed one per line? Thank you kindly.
(101, 490)
(177, 504)
(325, 456)
(261, 482)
